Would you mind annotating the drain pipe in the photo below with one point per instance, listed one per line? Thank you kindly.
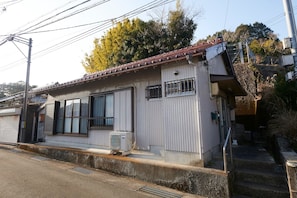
(198, 109)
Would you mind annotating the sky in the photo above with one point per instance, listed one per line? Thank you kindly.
(63, 31)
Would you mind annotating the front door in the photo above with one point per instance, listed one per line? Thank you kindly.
(225, 122)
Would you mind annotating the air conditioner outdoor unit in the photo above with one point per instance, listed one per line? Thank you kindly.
(121, 142)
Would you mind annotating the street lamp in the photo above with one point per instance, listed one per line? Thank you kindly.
(25, 102)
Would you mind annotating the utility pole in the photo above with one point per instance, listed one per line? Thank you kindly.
(291, 25)
(25, 102)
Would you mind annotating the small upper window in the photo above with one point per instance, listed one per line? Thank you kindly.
(180, 87)
(153, 92)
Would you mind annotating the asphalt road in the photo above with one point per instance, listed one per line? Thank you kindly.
(27, 175)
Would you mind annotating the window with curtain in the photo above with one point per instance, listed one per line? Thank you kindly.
(72, 116)
(102, 111)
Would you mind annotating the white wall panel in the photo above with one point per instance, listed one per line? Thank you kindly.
(9, 127)
(149, 118)
(216, 66)
(96, 139)
(181, 130)
(180, 113)
(123, 110)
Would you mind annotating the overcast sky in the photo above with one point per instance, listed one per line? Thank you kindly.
(60, 46)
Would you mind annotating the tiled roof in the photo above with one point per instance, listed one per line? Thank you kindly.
(157, 60)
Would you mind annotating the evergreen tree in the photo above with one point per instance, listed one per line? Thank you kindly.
(135, 39)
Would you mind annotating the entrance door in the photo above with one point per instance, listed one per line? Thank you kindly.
(225, 120)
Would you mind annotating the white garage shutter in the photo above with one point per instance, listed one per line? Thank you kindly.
(9, 125)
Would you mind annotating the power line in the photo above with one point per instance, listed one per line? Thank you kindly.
(101, 27)
(108, 23)
(226, 14)
(40, 17)
(59, 13)
(9, 3)
(64, 28)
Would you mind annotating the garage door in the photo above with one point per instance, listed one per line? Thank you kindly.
(9, 125)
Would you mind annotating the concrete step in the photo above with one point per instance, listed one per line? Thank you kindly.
(257, 175)
(267, 166)
(241, 196)
(259, 190)
(262, 177)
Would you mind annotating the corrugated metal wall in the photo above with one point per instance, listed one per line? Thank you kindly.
(180, 118)
(149, 118)
(180, 113)
(123, 110)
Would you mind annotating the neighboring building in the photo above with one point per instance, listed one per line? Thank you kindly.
(178, 105)
(11, 118)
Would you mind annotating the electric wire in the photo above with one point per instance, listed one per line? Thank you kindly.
(64, 28)
(88, 32)
(103, 26)
(70, 15)
(9, 3)
(44, 15)
(107, 24)
(226, 14)
(59, 13)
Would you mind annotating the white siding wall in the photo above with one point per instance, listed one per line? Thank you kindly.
(123, 110)
(216, 66)
(207, 104)
(147, 114)
(149, 122)
(9, 127)
(100, 138)
(180, 118)
(180, 113)
(96, 139)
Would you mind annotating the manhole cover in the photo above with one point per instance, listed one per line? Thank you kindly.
(159, 193)
(39, 158)
(82, 170)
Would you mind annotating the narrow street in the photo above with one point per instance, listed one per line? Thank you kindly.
(26, 175)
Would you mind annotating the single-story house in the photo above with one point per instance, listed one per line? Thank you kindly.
(178, 105)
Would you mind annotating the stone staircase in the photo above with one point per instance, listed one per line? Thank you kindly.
(257, 175)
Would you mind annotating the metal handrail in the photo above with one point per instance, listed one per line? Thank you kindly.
(228, 140)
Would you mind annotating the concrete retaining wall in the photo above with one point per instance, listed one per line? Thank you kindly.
(194, 180)
(289, 160)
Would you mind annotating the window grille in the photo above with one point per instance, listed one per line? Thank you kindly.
(153, 92)
(180, 87)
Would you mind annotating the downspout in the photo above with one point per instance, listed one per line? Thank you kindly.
(198, 109)
(134, 116)
(209, 81)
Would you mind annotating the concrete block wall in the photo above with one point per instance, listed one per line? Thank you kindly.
(195, 180)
